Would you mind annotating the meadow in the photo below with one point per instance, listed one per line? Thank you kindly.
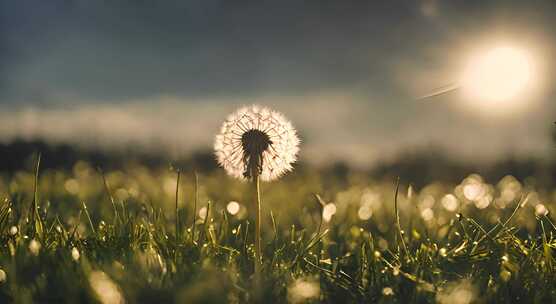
(84, 235)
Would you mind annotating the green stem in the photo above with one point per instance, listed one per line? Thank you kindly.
(35, 217)
(397, 213)
(177, 209)
(195, 207)
(258, 256)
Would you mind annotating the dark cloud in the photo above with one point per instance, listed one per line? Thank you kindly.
(127, 49)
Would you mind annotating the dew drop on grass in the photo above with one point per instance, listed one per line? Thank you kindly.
(443, 252)
(75, 254)
(387, 291)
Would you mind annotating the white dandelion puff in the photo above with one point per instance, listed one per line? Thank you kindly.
(256, 141)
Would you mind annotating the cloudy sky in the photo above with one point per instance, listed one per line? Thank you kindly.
(163, 74)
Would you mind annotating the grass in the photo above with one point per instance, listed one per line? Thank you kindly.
(140, 237)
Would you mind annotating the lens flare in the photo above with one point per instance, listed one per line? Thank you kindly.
(497, 75)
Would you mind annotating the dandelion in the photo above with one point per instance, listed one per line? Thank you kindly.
(256, 143)
(34, 247)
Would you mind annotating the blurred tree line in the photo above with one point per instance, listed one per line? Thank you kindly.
(418, 167)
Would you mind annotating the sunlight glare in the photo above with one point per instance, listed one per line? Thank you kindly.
(497, 76)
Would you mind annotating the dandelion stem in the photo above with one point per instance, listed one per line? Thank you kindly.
(258, 257)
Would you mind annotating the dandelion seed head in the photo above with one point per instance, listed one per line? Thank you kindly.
(13, 230)
(256, 140)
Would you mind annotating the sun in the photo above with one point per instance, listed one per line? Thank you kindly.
(497, 76)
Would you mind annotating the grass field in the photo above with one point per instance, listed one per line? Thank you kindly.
(85, 236)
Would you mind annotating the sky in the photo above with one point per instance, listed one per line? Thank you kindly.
(163, 75)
